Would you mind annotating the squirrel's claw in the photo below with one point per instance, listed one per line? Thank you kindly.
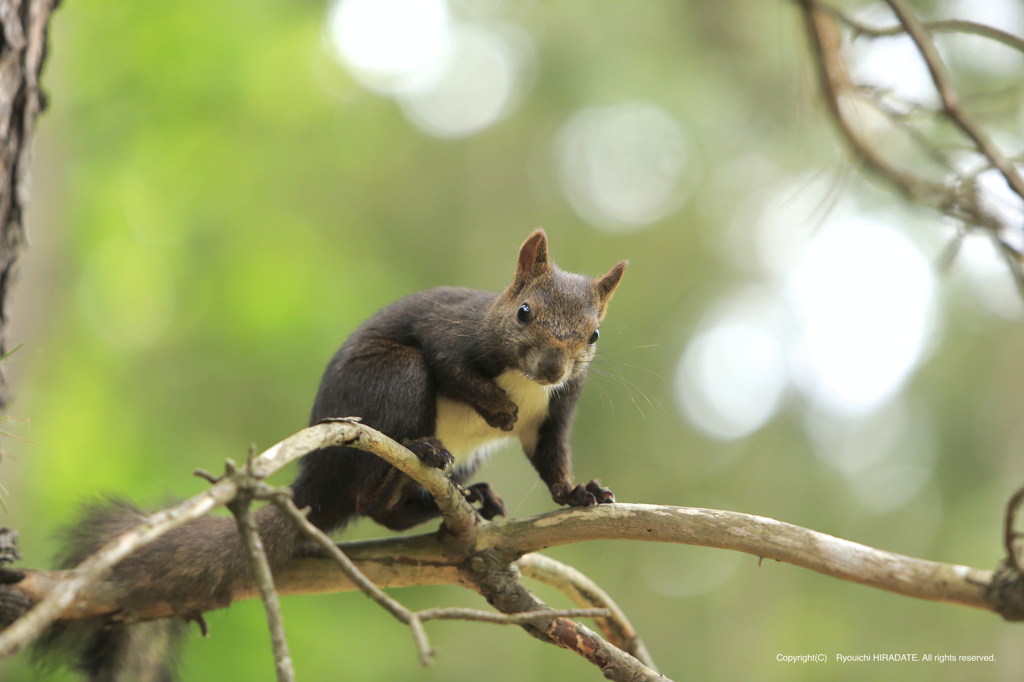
(504, 419)
(582, 495)
(601, 494)
(431, 452)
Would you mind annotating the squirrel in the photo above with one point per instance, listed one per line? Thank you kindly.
(447, 372)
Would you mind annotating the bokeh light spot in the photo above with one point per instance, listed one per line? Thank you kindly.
(732, 376)
(980, 54)
(887, 456)
(893, 62)
(863, 295)
(621, 165)
(474, 92)
(391, 46)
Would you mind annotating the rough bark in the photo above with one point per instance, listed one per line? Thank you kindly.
(23, 32)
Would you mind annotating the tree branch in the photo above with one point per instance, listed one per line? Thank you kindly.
(943, 26)
(57, 597)
(958, 197)
(94, 569)
(824, 40)
(756, 535)
(482, 560)
(1011, 535)
(422, 559)
(585, 592)
(950, 100)
(241, 508)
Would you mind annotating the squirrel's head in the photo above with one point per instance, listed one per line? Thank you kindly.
(549, 318)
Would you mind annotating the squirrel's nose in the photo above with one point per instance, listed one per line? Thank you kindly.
(552, 370)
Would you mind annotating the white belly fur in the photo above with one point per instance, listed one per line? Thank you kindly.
(464, 432)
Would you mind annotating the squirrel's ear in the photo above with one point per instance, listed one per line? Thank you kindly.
(606, 285)
(533, 259)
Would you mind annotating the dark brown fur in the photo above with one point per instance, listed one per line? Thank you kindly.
(448, 342)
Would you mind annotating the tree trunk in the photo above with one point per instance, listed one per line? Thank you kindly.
(22, 53)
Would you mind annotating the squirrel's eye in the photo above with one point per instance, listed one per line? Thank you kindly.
(523, 315)
(594, 337)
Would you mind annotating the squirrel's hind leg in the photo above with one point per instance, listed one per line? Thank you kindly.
(390, 387)
(400, 503)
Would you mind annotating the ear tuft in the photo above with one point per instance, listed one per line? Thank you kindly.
(606, 285)
(533, 260)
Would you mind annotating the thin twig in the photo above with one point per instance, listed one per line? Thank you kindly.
(57, 600)
(502, 585)
(97, 567)
(901, 121)
(613, 662)
(957, 198)
(943, 26)
(419, 635)
(1010, 259)
(456, 613)
(585, 592)
(950, 100)
(411, 618)
(834, 79)
(363, 583)
(951, 251)
(1010, 534)
(241, 507)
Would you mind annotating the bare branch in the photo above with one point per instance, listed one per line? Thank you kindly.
(64, 594)
(1010, 533)
(834, 79)
(350, 570)
(945, 26)
(754, 535)
(585, 592)
(501, 584)
(413, 619)
(423, 559)
(957, 198)
(613, 662)
(1011, 259)
(241, 507)
(508, 618)
(60, 598)
(950, 100)
(481, 559)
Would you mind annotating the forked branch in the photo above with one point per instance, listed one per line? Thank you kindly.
(957, 194)
(484, 559)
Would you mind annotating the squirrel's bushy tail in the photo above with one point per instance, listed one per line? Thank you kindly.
(140, 652)
(195, 567)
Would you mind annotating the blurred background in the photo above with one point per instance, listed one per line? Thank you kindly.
(224, 191)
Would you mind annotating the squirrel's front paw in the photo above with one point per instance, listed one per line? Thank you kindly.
(430, 451)
(505, 418)
(582, 495)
